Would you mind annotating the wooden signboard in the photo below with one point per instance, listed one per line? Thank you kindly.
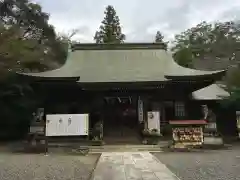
(188, 135)
(187, 132)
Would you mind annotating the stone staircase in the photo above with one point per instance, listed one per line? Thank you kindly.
(125, 148)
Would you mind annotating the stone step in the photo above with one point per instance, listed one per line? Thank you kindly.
(124, 148)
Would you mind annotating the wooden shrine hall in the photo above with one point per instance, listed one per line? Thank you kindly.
(125, 88)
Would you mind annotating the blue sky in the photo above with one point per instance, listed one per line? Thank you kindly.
(140, 19)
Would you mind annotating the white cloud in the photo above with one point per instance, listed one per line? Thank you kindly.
(140, 18)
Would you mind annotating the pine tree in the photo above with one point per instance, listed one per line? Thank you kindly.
(110, 31)
(159, 39)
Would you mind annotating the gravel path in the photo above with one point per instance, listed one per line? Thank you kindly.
(52, 167)
(211, 165)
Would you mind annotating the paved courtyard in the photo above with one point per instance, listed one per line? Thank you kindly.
(131, 166)
(209, 165)
(40, 167)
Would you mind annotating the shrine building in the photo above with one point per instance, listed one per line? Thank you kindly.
(123, 86)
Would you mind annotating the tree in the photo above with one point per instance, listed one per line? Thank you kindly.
(28, 43)
(210, 44)
(31, 24)
(232, 78)
(184, 57)
(234, 99)
(159, 39)
(206, 40)
(66, 38)
(110, 31)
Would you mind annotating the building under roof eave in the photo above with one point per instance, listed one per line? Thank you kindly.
(212, 92)
(129, 62)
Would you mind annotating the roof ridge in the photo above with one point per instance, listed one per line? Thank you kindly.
(123, 46)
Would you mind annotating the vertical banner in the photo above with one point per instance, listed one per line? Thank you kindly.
(140, 110)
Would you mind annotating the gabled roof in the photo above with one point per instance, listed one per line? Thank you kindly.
(212, 92)
(130, 62)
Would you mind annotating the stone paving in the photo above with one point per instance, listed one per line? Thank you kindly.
(131, 166)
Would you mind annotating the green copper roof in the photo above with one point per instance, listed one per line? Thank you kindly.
(94, 63)
(212, 92)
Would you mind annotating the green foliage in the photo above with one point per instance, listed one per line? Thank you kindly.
(184, 57)
(232, 78)
(110, 31)
(219, 40)
(28, 31)
(233, 100)
(17, 102)
(215, 43)
(28, 43)
(16, 53)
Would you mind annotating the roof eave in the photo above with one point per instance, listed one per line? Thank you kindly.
(47, 78)
(217, 75)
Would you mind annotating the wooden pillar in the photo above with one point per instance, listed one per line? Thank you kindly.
(162, 117)
(140, 110)
(145, 115)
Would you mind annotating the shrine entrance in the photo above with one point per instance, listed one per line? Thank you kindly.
(120, 124)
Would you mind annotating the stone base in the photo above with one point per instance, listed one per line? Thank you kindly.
(151, 141)
(213, 141)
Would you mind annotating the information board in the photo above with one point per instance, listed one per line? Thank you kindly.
(67, 124)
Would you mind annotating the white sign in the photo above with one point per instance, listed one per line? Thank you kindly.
(154, 120)
(67, 124)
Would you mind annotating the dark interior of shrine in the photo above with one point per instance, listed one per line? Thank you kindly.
(120, 120)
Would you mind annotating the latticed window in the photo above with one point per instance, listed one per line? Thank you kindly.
(179, 109)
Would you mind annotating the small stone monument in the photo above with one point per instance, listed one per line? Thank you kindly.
(211, 135)
(36, 140)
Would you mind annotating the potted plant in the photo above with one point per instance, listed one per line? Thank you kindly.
(151, 136)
